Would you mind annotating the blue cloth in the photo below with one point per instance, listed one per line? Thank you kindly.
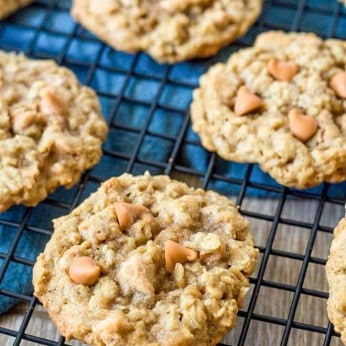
(144, 87)
(17, 276)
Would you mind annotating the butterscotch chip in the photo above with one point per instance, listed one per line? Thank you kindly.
(127, 213)
(176, 253)
(246, 102)
(338, 83)
(282, 70)
(302, 126)
(51, 129)
(336, 276)
(169, 30)
(84, 270)
(295, 158)
(7, 7)
(136, 301)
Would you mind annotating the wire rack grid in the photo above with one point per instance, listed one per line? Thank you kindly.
(147, 108)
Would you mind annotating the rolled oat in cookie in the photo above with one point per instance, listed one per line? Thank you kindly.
(169, 30)
(7, 7)
(171, 269)
(281, 104)
(336, 276)
(51, 129)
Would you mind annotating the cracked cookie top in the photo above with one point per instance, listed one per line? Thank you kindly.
(147, 261)
(169, 30)
(51, 129)
(280, 103)
(336, 276)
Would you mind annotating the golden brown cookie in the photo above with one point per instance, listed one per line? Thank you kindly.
(176, 274)
(51, 129)
(281, 104)
(169, 30)
(336, 276)
(7, 7)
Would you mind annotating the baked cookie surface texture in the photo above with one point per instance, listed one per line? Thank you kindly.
(147, 261)
(169, 30)
(281, 104)
(336, 276)
(51, 129)
(7, 7)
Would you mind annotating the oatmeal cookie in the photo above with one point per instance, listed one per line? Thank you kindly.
(281, 104)
(169, 30)
(51, 129)
(7, 7)
(147, 261)
(336, 276)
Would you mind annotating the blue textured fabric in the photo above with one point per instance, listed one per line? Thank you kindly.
(143, 89)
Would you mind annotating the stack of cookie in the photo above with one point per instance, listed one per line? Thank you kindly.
(147, 260)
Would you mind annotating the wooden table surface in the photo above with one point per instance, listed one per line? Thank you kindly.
(271, 302)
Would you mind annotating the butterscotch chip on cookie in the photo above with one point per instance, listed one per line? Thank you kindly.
(7, 7)
(174, 272)
(336, 276)
(51, 129)
(169, 30)
(281, 104)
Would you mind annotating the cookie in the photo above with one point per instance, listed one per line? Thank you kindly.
(336, 276)
(281, 104)
(169, 30)
(51, 129)
(7, 7)
(147, 261)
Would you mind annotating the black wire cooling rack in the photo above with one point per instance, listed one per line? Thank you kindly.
(146, 106)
